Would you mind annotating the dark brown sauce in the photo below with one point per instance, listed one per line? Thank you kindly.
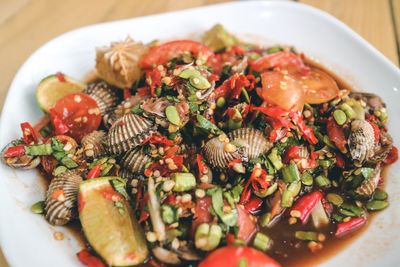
(286, 249)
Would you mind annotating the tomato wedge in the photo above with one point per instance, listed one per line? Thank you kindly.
(78, 114)
(319, 87)
(281, 90)
(284, 60)
(161, 54)
(238, 256)
(247, 226)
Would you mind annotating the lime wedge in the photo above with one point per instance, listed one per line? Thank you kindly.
(54, 87)
(108, 223)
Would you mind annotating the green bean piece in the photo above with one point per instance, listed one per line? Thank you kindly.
(246, 95)
(262, 242)
(38, 150)
(339, 116)
(184, 181)
(322, 181)
(60, 169)
(38, 207)
(265, 219)
(337, 217)
(274, 49)
(168, 214)
(348, 110)
(328, 142)
(221, 101)
(335, 199)
(380, 195)
(306, 236)
(325, 163)
(290, 173)
(173, 115)
(269, 191)
(242, 263)
(207, 237)
(294, 188)
(306, 178)
(158, 91)
(275, 159)
(357, 211)
(347, 213)
(375, 205)
(287, 199)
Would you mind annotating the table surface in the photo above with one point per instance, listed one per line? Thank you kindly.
(25, 25)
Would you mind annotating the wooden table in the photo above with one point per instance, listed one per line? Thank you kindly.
(25, 25)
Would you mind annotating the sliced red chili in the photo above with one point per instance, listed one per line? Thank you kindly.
(336, 134)
(15, 151)
(159, 139)
(392, 156)
(88, 259)
(305, 205)
(94, 172)
(28, 133)
(345, 228)
(253, 205)
(200, 164)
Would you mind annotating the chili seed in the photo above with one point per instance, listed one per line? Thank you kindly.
(335, 199)
(339, 116)
(376, 205)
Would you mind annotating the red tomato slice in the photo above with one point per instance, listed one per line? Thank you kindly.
(281, 90)
(336, 134)
(79, 112)
(246, 225)
(203, 214)
(231, 256)
(161, 54)
(284, 60)
(319, 87)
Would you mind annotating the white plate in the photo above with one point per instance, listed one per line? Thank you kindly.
(27, 240)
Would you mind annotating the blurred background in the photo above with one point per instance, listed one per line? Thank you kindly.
(25, 25)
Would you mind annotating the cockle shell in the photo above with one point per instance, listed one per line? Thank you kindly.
(118, 64)
(383, 147)
(104, 95)
(128, 132)
(368, 186)
(93, 144)
(361, 140)
(22, 162)
(252, 141)
(61, 198)
(135, 160)
(216, 152)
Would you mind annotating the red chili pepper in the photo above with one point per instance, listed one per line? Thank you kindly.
(336, 134)
(307, 132)
(15, 151)
(291, 153)
(200, 164)
(256, 182)
(234, 162)
(94, 172)
(232, 88)
(345, 228)
(277, 117)
(127, 93)
(88, 259)
(143, 91)
(230, 239)
(392, 156)
(60, 77)
(159, 139)
(340, 161)
(306, 204)
(28, 133)
(144, 215)
(253, 205)
(153, 79)
(59, 126)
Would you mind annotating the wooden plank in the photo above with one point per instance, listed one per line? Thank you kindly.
(370, 18)
(395, 5)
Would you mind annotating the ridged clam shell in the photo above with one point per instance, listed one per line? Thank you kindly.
(93, 144)
(384, 146)
(61, 210)
(368, 186)
(104, 95)
(135, 160)
(252, 141)
(215, 154)
(128, 132)
(361, 140)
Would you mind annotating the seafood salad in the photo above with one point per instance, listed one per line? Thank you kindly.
(210, 152)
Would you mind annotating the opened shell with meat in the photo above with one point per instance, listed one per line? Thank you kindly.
(135, 160)
(25, 162)
(61, 198)
(105, 97)
(93, 144)
(128, 132)
(361, 140)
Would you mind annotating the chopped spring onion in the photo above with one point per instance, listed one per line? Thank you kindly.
(290, 173)
(262, 242)
(184, 181)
